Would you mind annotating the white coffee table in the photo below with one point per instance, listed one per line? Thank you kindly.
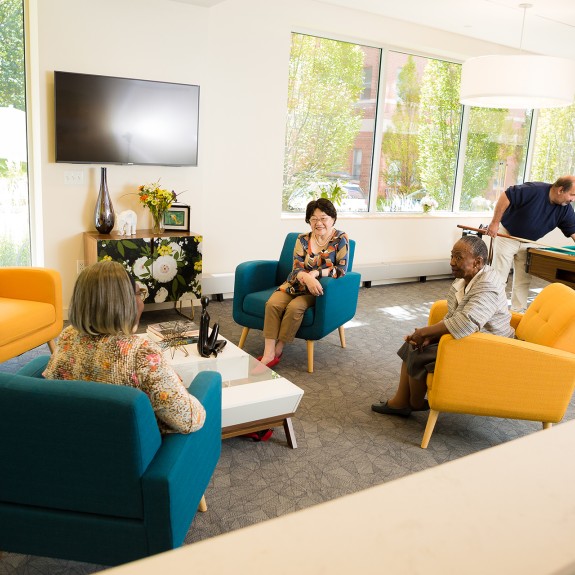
(254, 397)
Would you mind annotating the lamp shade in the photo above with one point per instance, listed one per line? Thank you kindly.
(518, 81)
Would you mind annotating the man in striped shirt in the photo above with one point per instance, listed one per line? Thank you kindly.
(476, 302)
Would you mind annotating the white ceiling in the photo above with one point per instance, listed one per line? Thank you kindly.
(549, 24)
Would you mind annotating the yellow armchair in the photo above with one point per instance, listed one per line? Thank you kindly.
(531, 377)
(30, 309)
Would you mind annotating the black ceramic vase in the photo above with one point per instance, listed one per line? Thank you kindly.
(104, 211)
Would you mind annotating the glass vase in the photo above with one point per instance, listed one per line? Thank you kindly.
(158, 222)
(104, 211)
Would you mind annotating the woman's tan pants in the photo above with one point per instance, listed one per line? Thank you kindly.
(284, 314)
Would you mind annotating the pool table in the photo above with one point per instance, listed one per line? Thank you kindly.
(552, 264)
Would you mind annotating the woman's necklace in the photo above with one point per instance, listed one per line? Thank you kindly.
(319, 244)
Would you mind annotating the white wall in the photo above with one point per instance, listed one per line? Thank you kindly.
(238, 52)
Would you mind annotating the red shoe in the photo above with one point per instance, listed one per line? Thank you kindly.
(266, 434)
(273, 362)
(260, 435)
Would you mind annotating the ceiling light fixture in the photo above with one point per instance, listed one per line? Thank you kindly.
(518, 81)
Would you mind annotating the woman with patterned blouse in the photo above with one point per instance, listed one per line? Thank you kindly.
(101, 346)
(322, 252)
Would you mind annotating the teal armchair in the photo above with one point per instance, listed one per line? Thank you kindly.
(85, 474)
(255, 281)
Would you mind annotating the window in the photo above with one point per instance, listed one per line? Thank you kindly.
(464, 158)
(14, 214)
(494, 156)
(367, 83)
(328, 122)
(554, 150)
(421, 126)
(356, 167)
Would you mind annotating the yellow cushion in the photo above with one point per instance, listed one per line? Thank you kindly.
(21, 318)
(483, 374)
(550, 319)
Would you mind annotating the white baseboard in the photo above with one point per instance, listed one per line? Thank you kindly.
(218, 284)
(387, 272)
(401, 270)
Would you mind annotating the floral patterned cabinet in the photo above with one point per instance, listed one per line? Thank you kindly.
(167, 266)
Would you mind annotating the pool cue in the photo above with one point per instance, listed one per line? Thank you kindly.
(524, 240)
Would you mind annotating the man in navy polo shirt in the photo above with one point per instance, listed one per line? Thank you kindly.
(529, 211)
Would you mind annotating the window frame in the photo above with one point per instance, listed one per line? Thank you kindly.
(379, 121)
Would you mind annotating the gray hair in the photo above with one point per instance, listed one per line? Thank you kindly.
(477, 247)
(103, 301)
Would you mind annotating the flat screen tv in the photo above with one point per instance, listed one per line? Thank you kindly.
(107, 120)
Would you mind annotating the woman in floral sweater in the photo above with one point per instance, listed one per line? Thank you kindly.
(100, 346)
(322, 252)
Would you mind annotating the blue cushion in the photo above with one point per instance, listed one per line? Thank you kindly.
(255, 304)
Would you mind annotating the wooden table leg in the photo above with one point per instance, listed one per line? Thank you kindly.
(290, 434)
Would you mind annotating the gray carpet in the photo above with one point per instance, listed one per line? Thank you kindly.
(342, 445)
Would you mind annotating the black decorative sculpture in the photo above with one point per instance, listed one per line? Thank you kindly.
(209, 344)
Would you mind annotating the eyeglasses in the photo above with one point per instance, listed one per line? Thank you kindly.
(141, 293)
(323, 220)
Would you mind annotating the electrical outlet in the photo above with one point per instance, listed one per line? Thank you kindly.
(80, 265)
(73, 177)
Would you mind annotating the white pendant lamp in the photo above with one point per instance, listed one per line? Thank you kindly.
(518, 81)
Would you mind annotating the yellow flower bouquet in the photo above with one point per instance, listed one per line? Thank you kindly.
(158, 200)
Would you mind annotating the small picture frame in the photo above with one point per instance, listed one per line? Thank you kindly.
(177, 217)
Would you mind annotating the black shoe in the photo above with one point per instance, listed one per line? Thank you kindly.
(387, 410)
(424, 407)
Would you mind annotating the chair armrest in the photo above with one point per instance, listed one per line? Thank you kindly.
(38, 285)
(208, 390)
(437, 311)
(484, 374)
(254, 276)
(516, 317)
(33, 284)
(251, 277)
(35, 367)
(177, 477)
(338, 303)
